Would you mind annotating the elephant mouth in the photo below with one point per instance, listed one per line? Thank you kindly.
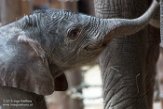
(95, 46)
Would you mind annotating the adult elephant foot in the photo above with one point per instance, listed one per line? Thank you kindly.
(11, 98)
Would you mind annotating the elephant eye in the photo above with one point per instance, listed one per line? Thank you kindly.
(74, 33)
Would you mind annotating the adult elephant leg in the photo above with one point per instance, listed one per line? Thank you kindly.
(123, 70)
(123, 63)
(11, 98)
(151, 60)
(152, 55)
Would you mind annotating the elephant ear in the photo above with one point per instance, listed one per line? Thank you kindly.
(23, 65)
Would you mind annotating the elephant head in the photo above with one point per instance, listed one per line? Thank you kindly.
(50, 41)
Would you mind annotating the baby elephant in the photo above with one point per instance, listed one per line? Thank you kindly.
(35, 50)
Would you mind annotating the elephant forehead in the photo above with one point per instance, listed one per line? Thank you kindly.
(56, 14)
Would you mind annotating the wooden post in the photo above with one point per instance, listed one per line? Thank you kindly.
(10, 10)
(26, 7)
(69, 5)
(86, 6)
(13, 10)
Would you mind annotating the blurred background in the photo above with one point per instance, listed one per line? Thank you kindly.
(85, 84)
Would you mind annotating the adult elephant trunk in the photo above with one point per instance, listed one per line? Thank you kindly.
(128, 63)
(118, 27)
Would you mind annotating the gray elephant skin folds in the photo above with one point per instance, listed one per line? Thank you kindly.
(35, 50)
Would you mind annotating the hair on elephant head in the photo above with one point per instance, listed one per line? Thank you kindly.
(35, 50)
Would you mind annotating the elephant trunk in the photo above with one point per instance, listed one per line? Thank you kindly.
(120, 27)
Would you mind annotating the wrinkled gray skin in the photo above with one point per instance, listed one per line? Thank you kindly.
(37, 48)
(128, 63)
(63, 34)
